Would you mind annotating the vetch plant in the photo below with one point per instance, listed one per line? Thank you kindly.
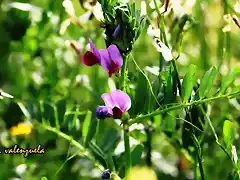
(119, 127)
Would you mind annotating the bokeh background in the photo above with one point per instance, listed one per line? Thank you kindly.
(42, 70)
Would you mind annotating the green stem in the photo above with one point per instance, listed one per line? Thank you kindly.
(124, 73)
(148, 131)
(210, 124)
(160, 111)
(128, 157)
(227, 39)
(162, 34)
(73, 142)
(177, 76)
(199, 156)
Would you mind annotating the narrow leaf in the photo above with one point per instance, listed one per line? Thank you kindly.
(229, 80)
(188, 83)
(228, 133)
(207, 82)
(86, 126)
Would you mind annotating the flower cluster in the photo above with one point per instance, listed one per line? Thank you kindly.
(117, 102)
(110, 59)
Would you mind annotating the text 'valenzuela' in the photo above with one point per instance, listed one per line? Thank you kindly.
(16, 149)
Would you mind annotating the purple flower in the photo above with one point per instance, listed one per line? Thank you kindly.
(110, 59)
(116, 103)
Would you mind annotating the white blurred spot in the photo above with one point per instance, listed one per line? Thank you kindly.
(111, 84)
(20, 169)
(85, 17)
(234, 154)
(136, 127)
(143, 8)
(64, 26)
(97, 11)
(67, 4)
(120, 148)
(82, 79)
(164, 164)
(237, 7)
(153, 32)
(37, 78)
(154, 70)
(224, 69)
(6, 95)
(183, 59)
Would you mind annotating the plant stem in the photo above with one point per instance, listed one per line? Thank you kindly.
(128, 157)
(160, 111)
(124, 73)
(227, 39)
(162, 28)
(199, 156)
(148, 131)
(162, 34)
(73, 142)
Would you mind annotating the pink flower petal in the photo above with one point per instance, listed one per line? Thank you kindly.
(115, 55)
(121, 100)
(108, 100)
(105, 59)
(94, 50)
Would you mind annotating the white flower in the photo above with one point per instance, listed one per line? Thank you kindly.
(161, 47)
(237, 6)
(143, 9)
(153, 32)
(67, 4)
(97, 11)
(83, 19)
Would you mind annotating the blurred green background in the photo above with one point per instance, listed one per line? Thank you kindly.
(42, 71)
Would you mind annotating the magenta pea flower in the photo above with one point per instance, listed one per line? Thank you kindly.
(110, 59)
(116, 103)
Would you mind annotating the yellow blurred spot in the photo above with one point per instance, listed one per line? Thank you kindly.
(141, 173)
(21, 129)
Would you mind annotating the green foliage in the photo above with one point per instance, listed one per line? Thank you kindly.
(86, 126)
(207, 82)
(188, 83)
(228, 133)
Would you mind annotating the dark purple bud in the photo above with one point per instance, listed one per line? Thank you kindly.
(106, 174)
(103, 112)
(116, 32)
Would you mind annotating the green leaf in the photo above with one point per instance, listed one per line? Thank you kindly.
(207, 82)
(86, 126)
(137, 154)
(61, 109)
(109, 140)
(44, 178)
(97, 150)
(229, 80)
(188, 83)
(238, 164)
(228, 133)
(141, 95)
